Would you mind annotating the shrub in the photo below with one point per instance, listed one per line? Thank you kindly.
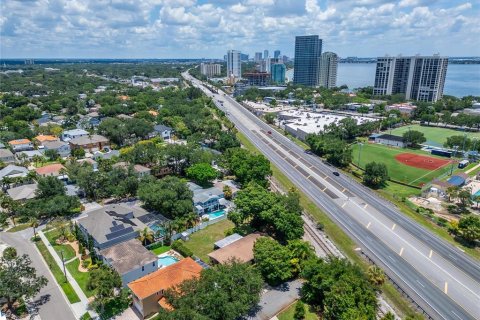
(180, 247)
(299, 311)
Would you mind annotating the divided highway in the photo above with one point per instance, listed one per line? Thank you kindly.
(442, 279)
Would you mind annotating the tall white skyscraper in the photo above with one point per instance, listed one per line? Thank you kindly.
(234, 64)
(328, 70)
(210, 69)
(420, 78)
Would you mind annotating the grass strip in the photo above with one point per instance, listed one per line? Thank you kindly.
(19, 227)
(57, 273)
(335, 233)
(82, 278)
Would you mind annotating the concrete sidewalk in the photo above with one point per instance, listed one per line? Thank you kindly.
(78, 308)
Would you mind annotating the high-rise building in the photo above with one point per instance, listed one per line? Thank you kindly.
(420, 78)
(328, 70)
(243, 57)
(265, 54)
(210, 69)
(258, 56)
(234, 64)
(266, 65)
(278, 73)
(276, 54)
(308, 50)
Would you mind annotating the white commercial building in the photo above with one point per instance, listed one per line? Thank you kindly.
(328, 70)
(210, 69)
(234, 64)
(301, 123)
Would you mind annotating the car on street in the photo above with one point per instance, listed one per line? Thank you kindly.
(308, 151)
(335, 173)
(269, 132)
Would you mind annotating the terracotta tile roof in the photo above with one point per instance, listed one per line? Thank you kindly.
(19, 141)
(241, 250)
(43, 138)
(165, 278)
(49, 169)
(164, 304)
(153, 113)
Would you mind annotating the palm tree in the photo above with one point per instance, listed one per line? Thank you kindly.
(34, 224)
(376, 275)
(146, 235)
(452, 192)
(191, 220)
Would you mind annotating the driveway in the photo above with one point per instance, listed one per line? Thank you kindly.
(274, 300)
(50, 301)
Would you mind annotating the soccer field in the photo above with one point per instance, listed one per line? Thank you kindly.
(396, 169)
(435, 136)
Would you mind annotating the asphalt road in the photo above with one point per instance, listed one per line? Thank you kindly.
(56, 308)
(438, 276)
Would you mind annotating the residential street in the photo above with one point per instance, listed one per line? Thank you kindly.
(56, 307)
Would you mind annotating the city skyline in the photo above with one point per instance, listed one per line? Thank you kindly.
(196, 29)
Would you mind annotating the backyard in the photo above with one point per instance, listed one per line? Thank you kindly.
(201, 242)
(435, 136)
(288, 313)
(398, 170)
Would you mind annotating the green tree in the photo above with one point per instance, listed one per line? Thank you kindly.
(104, 281)
(273, 261)
(114, 129)
(375, 175)
(228, 193)
(146, 236)
(247, 166)
(469, 228)
(413, 138)
(224, 292)
(226, 140)
(49, 187)
(270, 117)
(388, 316)
(170, 196)
(18, 279)
(299, 313)
(202, 173)
(376, 275)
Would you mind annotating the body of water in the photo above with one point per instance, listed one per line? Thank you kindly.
(462, 79)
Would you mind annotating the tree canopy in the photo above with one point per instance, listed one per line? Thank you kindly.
(375, 175)
(246, 166)
(202, 173)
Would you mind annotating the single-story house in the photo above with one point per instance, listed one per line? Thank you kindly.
(226, 241)
(21, 145)
(140, 170)
(113, 224)
(12, 171)
(51, 170)
(437, 189)
(28, 155)
(148, 291)
(6, 156)
(161, 130)
(89, 161)
(61, 147)
(106, 155)
(74, 133)
(24, 192)
(44, 138)
(130, 259)
(241, 249)
(390, 140)
(206, 200)
(458, 180)
(90, 143)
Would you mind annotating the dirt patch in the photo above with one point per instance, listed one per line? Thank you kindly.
(422, 162)
(75, 247)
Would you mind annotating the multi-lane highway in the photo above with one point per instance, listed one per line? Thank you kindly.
(442, 279)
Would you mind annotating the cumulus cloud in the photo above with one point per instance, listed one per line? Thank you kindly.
(194, 28)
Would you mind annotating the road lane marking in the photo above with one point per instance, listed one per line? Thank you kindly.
(401, 252)
(343, 205)
(365, 206)
(324, 189)
(445, 289)
(344, 190)
(368, 225)
(430, 254)
(308, 177)
(420, 283)
(393, 227)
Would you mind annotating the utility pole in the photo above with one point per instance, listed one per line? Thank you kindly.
(454, 155)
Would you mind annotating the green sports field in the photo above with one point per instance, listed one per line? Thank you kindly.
(435, 136)
(397, 170)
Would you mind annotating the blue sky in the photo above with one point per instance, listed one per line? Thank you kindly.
(200, 28)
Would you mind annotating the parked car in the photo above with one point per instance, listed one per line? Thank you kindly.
(269, 132)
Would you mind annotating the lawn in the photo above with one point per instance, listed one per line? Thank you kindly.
(19, 227)
(160, 250)
(396, 170)
(435, 136)
(288, 313)
(201, 242)
(68, 251)
(81, 277)
(57, 273)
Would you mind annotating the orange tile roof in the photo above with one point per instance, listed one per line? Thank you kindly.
(124, 98)
(164, 304)
(49, 169)
(19, 141)
(153, 113)
(165, 278)
(43, 138)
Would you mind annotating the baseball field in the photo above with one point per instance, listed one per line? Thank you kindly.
(414, 167)
(435, 136)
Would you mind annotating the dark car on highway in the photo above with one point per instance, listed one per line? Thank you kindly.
(335, 173)
(308, 151)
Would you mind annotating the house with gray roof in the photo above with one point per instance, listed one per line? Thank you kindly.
(130, 259)
(115, 223)
(206, 200)
(61, 147)
(12, 171)
(74, 133)
(90, 143)
(106, 155)
(28, 155)
(6, 156)
(24, 192)
(161, 130)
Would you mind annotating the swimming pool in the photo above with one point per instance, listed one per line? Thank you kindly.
(165, 261)
(216, 214)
